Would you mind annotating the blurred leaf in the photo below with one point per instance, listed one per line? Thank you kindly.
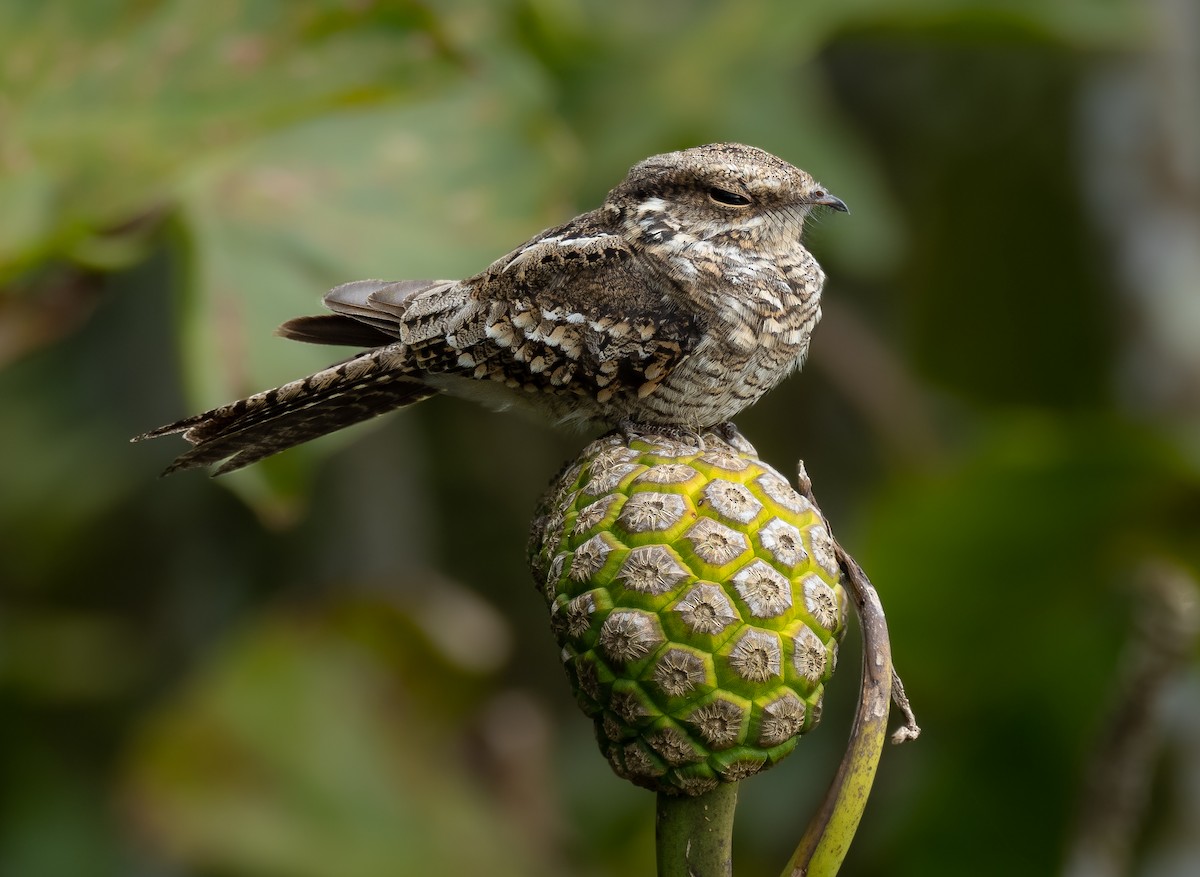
(62, 824)
(300, 750)
(56, 657)
(1099, 24)
(1002, 580)
(1040, 520)
(56, 490)
(106, 104)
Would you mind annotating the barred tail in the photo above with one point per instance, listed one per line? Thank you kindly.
(264, 424)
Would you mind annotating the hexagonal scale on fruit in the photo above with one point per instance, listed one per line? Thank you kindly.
(630, 703)
(586, 676)
(605, 479)
(822, 549)
(808, 655)
(616, 760)
(814, 712)
(777, 489)
(756, 656)
(732, 501)
(698, 784)
(720, 722)
(719, 458)
(615, 729)
(640, 763)
(783, 542)
(706, 610)
(550, 524)
(594, 514)
(651, 569)
(579, 614)
(764, 590)
(651, 511)
(782, 719)
(679, 672)
(674, 747)
(664, 446)
(667, 473)
(570, 477)
(821, 602)
(590, 557)
(744, 763)
(716, 544)
(628, 635)
(558, 618)
(554, 575)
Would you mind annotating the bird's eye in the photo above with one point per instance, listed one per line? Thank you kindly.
(724, 196)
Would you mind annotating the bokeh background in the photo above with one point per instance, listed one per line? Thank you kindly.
(335, 663)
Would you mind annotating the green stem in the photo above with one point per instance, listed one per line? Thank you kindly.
(827, 839)
(694, 834)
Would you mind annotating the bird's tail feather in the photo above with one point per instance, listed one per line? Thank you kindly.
(264, 424)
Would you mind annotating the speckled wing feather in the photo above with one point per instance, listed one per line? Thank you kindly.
(577, 324)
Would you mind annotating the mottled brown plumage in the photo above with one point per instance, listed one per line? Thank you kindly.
(680, 301)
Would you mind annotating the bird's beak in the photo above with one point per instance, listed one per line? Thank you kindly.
(828, 200)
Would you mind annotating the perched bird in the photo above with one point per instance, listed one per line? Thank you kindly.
(680, 301)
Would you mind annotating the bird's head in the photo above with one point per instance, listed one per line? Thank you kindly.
(722, 193)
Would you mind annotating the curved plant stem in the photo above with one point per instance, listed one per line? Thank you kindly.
(694, 835)
(827, 838)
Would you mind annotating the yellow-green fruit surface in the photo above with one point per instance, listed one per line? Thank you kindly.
(695, 596)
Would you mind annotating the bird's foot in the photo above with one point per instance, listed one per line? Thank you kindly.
(671, 432)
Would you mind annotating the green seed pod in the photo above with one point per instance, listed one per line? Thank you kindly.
(696, 599)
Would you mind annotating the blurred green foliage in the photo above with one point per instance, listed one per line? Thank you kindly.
(256, 676)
